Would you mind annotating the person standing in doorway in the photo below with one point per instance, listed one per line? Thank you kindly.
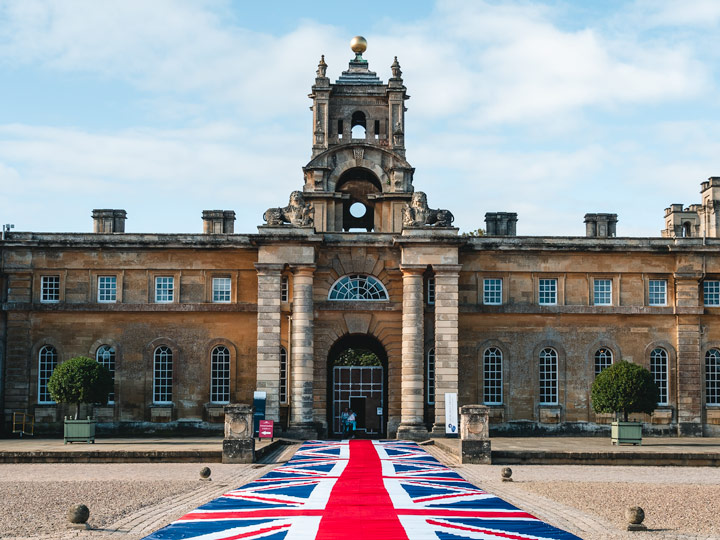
(344, 426)
(352, 423)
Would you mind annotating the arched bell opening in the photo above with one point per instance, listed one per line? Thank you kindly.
(358, 210)
(358, 125)
(357, 378)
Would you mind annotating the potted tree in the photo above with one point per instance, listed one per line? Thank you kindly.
(80, 380)
(625, 388)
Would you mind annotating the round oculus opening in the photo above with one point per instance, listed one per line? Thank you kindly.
(357, 210)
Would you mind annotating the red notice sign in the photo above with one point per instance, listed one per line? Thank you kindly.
(266, 429)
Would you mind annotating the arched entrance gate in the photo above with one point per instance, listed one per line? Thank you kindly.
(357, 377)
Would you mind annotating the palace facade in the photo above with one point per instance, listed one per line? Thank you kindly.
(190, 322)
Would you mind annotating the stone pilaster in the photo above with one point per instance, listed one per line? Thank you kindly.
(446, 339)
(411, 417)
(302, 351)
(689, 379)
(268, 336)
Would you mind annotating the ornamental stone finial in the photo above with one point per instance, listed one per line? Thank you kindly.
(322, 67)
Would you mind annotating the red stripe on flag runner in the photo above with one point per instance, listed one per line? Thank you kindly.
(359, 506)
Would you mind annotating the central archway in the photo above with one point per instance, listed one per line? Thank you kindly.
(357, 378)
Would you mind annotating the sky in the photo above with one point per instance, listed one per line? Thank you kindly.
(551, 109)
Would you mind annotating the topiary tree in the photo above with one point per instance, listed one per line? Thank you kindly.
(80, 380)
(626, 388)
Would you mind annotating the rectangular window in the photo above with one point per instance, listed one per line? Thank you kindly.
(602, 292)
(492, 291)
(50, 289)
(711, 293)
(221, 289)
(284, 290)
(431, 291)
(430, 396)
(340, 129)
(657, 292)
(547, 292)
(107, 289)
(377, 129)
(164, 289)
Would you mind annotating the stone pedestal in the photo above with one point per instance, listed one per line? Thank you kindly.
(475, 434)
(239, 443)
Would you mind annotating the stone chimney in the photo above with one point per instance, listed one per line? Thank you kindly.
(218, 221)
(600, 225)
(501, 224)
(107, 221)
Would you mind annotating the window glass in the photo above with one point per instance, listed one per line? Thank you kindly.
(548, 377)
(358, 287)
(50, 289)
(603, 359)
(283, 375)
(492, 291)
(712, 377)
(164, 289)
(221, 289)
(107, 289)
(47, 360)
(220, 375)
(492, 376)
(105, 355)
(711, 292)
(547, 292)
(657, 292)
(284, 290)
(162, 375)
(430, 396)
(602, 292)
(659, 370)
(431, 291)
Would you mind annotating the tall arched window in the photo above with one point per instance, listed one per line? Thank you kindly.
(492, 376)
(47, 360)
(430, 394)
(358, 287)
(603, 359)
(283, 375)
(220, 375)
(659, 370)
(105, 355)
(162, 375)
(548, 376)
(712, 377)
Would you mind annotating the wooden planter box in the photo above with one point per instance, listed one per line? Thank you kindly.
(626, 432)
(79, 430)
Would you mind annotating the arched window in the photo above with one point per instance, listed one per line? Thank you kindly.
(162, 374)
(712, 377)
(283, 375)
(47, 360)
(358, 125)
(358, 287)
(603, 359)
(492, 376)
(105, 355)
(220, 375)
(659, 370)
(430, 394)
(548, 377)
(686, 230)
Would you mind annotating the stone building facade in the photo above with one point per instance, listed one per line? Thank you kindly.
(357, 259)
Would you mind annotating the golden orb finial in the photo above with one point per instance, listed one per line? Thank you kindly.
(358, 44)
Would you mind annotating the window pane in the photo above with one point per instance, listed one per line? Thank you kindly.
(47, 360)
(50, 289)
(164, 289)
(548, 377)
(492, 376)
(105, 355)
(657, 292)
(711, 293)
(431, 291)
(659, 370)
(284, 290)
(603, 359)
(107, 289)
(602, 292)
(358, 287)
(283, 375)
(221, 289)
(712, 377)
(492, 291)
(431, 377)
(162, 375)
(547, 293)
(220, 375)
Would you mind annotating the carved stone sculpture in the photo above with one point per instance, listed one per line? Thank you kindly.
(298, 213)
(418, 214)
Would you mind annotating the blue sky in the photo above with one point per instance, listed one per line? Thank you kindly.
(550, 109)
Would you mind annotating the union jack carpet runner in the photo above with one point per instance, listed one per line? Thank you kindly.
(359, 490)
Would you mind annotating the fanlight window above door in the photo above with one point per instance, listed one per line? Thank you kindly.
(358, 287)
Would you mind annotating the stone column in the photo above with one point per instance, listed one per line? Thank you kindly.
(302, 351)
(690, 362)
(239, 443)
(268, 336)
(474, 434)
(446, 339)
(411, 417)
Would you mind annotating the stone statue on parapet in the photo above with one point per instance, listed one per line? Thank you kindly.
(298, 213)
(418, 214)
